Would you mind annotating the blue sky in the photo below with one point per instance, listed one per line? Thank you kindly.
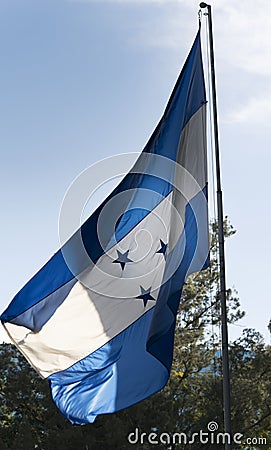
(83, 80)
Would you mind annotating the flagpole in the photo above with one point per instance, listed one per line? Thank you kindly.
(223, 294)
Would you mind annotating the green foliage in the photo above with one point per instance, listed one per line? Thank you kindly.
(192, 398)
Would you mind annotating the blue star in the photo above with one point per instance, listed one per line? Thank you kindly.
(163, 248)
(122, 259)
(145, 295)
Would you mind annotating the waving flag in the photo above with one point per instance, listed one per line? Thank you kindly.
(98, 319)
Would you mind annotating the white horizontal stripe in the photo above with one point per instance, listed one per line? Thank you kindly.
(192, 155)
(89, 318)
(104, 302)
(191, 171)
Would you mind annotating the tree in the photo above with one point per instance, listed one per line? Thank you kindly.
(188, 403)
(191, 399)
(251, 385)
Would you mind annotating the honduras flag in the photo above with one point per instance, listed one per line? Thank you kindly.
(97, 321)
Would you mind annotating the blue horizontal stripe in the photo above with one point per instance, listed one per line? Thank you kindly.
(111, 378)
(137, 362)
(194, 257)
(52, 276)
(187, 97)
(35, 317)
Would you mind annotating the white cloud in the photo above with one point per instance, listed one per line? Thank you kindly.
(256, 111)
(244, 34)
(242, 29)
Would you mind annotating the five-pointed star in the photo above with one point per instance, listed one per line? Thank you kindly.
(145, 295)
(122, 258)
(163, 248)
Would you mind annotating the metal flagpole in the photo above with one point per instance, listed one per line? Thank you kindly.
(225, 347)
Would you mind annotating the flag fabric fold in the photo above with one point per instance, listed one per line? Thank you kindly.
(97, 321)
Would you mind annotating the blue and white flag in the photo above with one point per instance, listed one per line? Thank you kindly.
(97, 321)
